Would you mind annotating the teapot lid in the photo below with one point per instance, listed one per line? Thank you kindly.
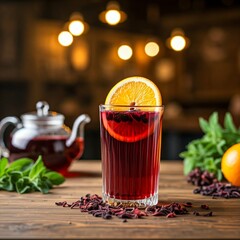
(42, 117)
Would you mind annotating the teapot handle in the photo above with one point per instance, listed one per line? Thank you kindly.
(79, 123)
(3, 125)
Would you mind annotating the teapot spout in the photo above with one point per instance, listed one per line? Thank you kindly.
(78, 128)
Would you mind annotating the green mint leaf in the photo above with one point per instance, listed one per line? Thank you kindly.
(213, 119)
(210, 149)
(200, 148)
(219, 175)
(220, 146)
(215, 128)
(41, 185)
(228, 123)
(23, 185)
(20, 164)
(26, 172)
(54, 177)
(218, 161)
(231, 138)
(188, 165)
(192, 147)
(184, 154)
(204, 125)
(210, 164)
(206, 152)
(47, 181)
(37, 168)
(6, 184)
(3, 166)
(15, 176)
(23, 176)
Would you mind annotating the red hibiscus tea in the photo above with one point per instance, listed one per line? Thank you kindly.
(56, 155)
(130, 148)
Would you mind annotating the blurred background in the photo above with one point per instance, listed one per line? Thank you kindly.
(189, 48)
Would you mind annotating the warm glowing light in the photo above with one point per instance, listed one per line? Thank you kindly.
(113, 17)
(65, 38)
(152, 49)
(178, 43)
(165, 70)
(76, 27)
(125, 52)
(80, 54)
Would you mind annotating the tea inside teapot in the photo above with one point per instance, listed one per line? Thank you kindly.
(56, 155)
(44, 133)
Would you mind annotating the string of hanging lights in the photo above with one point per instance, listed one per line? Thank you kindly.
(113, 15)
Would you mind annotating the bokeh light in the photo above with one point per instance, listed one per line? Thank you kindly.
(65, 38)
(113, 17)
(125, 52)
(152, 49)
(178, 43)
(76, 28)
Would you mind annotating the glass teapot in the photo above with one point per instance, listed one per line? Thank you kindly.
(43, 133)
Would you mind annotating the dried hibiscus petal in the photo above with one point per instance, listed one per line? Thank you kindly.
(93, 204)
(208, 185)
(205, 206)
(208, 214)
(171, 215)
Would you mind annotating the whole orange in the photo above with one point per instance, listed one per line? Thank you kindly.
(230, 164)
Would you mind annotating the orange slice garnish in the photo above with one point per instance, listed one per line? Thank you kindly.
(136, 121)
(134, 90)
(130, 126)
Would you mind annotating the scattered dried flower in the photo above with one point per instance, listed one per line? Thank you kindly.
(93, 204)
(208, 185)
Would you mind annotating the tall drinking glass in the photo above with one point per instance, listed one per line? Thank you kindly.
(130, 150)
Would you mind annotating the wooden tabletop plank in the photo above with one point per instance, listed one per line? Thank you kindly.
(35, 215)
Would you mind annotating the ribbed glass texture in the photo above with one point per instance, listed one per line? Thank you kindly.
(130, 149)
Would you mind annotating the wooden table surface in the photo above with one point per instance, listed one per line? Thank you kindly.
(35, 215)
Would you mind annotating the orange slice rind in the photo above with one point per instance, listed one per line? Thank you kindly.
(133, 98)
(139, 91)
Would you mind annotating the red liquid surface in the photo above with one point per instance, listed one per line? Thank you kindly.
(56, 155)
(130, 147)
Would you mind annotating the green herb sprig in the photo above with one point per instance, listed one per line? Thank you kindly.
(24, 176)
(206, 152)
